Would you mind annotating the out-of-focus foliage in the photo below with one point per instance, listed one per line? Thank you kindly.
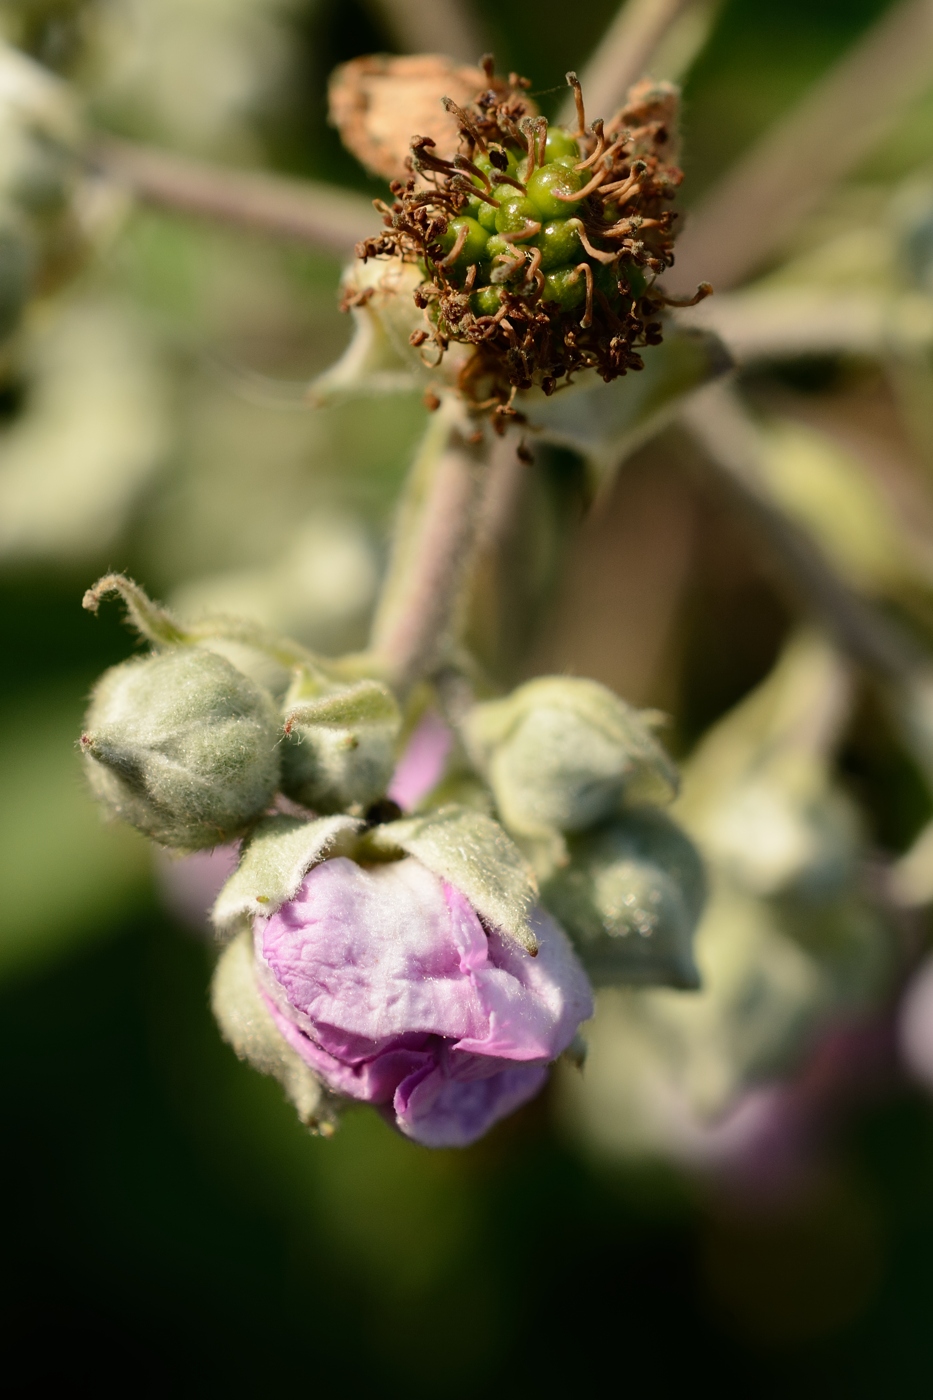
(153, 418)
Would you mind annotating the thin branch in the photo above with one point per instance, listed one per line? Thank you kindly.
(785, 321)
(752, 212)
(299, 211)
(449, 27)
(625, 54)
(731, 441)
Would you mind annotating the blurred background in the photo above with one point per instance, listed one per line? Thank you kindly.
(740, 1186)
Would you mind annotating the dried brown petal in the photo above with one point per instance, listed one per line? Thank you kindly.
(378, 103)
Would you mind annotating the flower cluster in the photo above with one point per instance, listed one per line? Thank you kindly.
(539, 247)
(413, 961)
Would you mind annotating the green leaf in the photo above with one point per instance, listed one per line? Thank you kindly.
(473, 853)
(606, 422)
(275, 860)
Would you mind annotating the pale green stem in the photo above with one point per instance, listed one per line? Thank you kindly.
(435, 541)
(626, 53)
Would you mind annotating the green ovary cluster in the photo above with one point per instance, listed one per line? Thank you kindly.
(523, 225)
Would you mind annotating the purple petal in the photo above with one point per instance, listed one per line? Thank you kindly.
(421, 766)
(386, 983)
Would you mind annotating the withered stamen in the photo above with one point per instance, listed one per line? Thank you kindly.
(456, 250)
(587, 319)
(507, 180)
(533, 264)
(474, 193)
(542, 140)
(530, 132)
(600, 146)
(465, 121)
(518, 236)
(596, 253)
(704, 290)
(574, 82)
(591, 188)
(463, 163)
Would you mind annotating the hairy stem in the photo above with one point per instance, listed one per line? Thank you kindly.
(436, 536)
(299, 211)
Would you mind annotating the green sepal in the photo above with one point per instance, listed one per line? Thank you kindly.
(630, 897)
(275, 860)
(605, 423)
(473, 853)
(561, 753)
(247, 1025)
(365, 703)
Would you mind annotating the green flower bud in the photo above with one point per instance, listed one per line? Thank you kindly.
(182, 746)
(561, 754)
(340, 751)
(631, 897)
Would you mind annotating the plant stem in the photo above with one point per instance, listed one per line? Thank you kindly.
(624, 54)
(300, 211)
(435, 542)
(730, 440)
(752, 212)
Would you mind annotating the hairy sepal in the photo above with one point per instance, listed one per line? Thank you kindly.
(471, 852)
(247, 1025)
(340, 750)
(275, 860)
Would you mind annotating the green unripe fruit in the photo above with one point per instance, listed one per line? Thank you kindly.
(566, 287)
(546, 184)
(340, 752)
(474, 247)
(559, 242)
(515, 215)
(560, 144)
(183, 746)
(487, 300)
(486, 215)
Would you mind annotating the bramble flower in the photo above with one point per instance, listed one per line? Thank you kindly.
(539, 247)
(388, 986)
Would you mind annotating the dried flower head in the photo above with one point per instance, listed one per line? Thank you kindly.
(539, 247)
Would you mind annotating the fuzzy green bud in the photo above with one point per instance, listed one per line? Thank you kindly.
(340, 751)
(182, 746)
(630, 897)
(561, 754)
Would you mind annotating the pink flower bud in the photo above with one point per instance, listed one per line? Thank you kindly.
(386, 983)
